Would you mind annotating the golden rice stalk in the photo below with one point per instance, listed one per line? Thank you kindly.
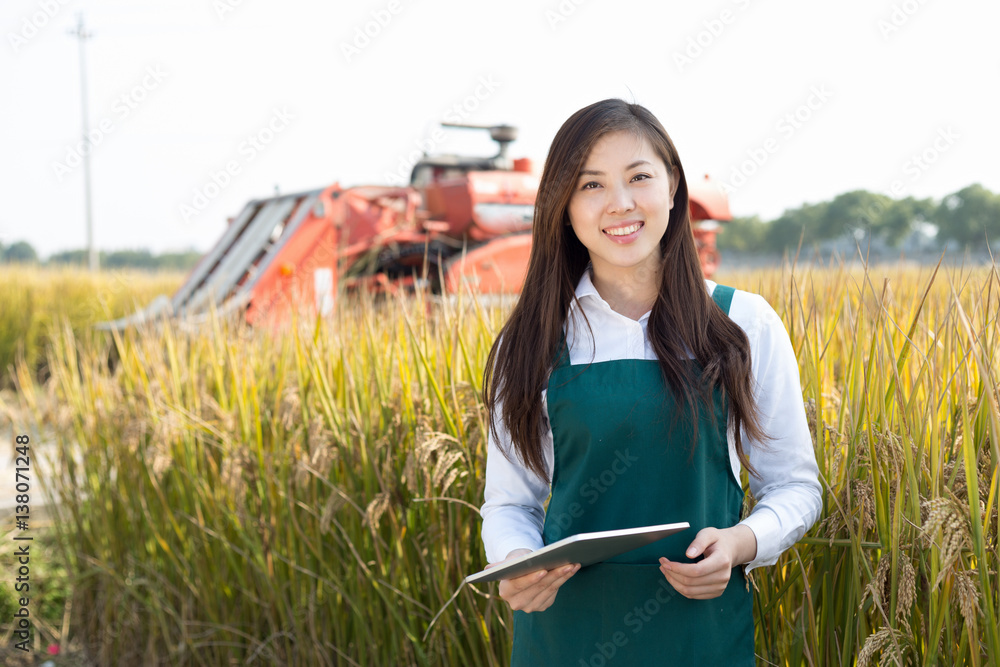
(966, 589)
(945, 515)
(889, 448)
(410, 472)
(231, 475)
(810, 405)
(212, 413)
(290, 408)
(880, 588)
(420, 458)
(891, 643)
(875, 642)
(430, 444)
(134, 429)
(443, 470)
(333, 504)
(858, 502)
(906, 594)
(317, 430)
(168, 429)
(376, 508)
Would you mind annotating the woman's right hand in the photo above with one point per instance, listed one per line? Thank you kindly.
(535, 591)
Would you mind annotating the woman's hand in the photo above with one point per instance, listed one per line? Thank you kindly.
(723, 550)
(535, 591)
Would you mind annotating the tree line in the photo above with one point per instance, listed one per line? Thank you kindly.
(22, 252)
(963, 220)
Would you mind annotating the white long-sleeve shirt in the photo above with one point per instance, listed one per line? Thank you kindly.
(788, 493)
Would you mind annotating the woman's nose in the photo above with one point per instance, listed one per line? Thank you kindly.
(620, 200)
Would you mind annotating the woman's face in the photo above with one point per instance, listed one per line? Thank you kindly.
(621, 204)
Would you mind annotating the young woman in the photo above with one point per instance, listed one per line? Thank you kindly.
(634, 391)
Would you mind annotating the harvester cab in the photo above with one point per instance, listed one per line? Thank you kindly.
(482, 207)
(462, 223)
(478, 197)
(435, 167)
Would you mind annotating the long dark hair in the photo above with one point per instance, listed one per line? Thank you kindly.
(684, 317)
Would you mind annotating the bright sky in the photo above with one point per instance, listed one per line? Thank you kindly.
(787, 102)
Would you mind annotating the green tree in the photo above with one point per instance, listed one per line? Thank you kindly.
(71, 257)
(20, 252)
(140, 259)
(969, 216)
(743, 235)
(805, 223)
(898, 218)
(184, 260)
(852, 211)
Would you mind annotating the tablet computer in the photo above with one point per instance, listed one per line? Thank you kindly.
(584, 548)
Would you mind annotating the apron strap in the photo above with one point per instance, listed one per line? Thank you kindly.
(562, 352)
(723, 296)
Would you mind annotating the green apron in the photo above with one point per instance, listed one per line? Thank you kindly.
(623, 458)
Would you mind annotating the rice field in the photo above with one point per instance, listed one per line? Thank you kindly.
(229, 496)
(33, 301)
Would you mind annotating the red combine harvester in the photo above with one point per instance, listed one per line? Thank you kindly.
(462, 221)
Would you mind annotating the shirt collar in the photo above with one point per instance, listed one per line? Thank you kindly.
(585, 288)
(585, 291)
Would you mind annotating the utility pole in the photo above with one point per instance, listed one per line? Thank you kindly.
(81, 34)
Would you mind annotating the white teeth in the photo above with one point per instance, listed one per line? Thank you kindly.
(624, 231)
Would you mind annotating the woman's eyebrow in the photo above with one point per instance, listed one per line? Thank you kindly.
(594, 172)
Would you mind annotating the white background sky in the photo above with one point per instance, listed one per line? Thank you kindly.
(895, 75)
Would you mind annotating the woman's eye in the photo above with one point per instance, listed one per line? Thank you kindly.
(642, 177)
(586, 186)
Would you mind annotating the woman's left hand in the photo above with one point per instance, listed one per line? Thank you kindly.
(723, 550)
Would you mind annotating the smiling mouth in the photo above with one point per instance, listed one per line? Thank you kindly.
(625, 230)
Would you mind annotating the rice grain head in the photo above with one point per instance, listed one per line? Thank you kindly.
(443, 469)
(376, 508)
(878, 588)
(231, 474)
(944, 515)
(966, 590)
(290, 408)
(907, 590)
(857, 501)
(894, 645)
(873, 645)
(333, 504)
